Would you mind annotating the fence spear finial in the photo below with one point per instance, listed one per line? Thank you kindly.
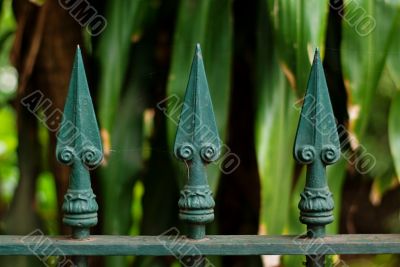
(197, 143)
(316, 145)
(79, 145)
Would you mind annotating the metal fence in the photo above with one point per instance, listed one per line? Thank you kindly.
(197, 144)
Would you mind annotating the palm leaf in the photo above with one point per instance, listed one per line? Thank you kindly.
(299, 27)
(364, 51)
(124, 20)
(278, 75)
(394, 132)
(393, 63)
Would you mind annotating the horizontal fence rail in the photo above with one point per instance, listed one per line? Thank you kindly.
(197, 144)
(104, 245)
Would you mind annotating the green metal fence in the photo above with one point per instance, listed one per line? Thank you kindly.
(197, 144)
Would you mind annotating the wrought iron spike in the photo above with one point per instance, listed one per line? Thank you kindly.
(317, 145)
(197, 143)
(79, 145)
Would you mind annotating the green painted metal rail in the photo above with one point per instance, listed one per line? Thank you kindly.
(197, 144)
(211, 245)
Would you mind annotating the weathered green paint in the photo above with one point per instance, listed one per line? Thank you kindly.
(197, 143)
(316, 145)
(212, 245)
(79, 145)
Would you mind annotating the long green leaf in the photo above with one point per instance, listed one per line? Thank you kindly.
(394, 131)
(125, 161)
(368, 29)
(275, 127)
(393, 60)
(299, 27)
(393, 63)
(124, 19)
(210, 24)
(279, 73)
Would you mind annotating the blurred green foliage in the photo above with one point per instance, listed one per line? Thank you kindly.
(8, 157)
(144, 57)
(8, 133)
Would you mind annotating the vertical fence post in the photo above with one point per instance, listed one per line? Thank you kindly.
(79, 145)
(197, 143)
(316, 145)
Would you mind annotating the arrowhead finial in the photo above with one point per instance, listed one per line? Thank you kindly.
(197, 143)
(316, 145)
(79, 145)
(317, 130)
(197, 129)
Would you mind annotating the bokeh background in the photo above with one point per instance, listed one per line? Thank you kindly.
(257, 57)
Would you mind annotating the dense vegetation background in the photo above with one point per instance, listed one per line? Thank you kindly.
(257, 56)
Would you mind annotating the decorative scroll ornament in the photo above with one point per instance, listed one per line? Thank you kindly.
(316, 145)
(330, 154)
(197, 143)
(305, 154)
(79, 145)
